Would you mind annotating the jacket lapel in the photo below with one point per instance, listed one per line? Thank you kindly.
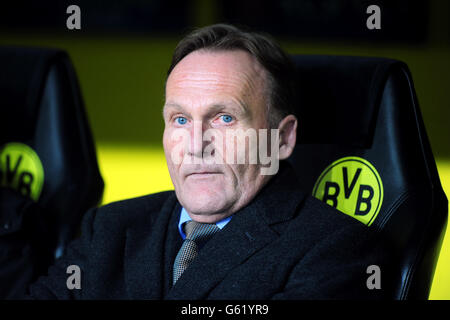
(173, 245)
(146, 253)
(249, 230)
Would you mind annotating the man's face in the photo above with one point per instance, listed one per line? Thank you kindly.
(222, 90)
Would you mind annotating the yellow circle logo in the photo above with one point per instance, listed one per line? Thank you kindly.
(21, 169)
(353, 186)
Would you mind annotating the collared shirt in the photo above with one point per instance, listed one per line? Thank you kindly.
(184, 217)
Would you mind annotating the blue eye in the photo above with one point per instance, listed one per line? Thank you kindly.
(181, 120)
(227, 118)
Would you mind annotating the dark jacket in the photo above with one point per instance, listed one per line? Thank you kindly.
(283, 245)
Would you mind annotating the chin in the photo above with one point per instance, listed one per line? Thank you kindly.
(204, 202)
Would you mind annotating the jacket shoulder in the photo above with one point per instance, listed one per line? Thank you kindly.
(147, 202)
(136, 209)
(326, 219)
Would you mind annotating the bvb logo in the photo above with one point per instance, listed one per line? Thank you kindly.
(353, 186)
(21, 169)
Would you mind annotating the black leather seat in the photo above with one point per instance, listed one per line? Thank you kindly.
(362, 147)
(48, 160)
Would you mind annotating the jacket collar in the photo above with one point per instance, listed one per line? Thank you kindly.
(277, 201)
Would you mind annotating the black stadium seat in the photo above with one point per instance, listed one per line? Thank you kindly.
(362, 148)
(49, 174)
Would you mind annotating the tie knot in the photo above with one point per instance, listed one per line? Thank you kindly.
(199, 232)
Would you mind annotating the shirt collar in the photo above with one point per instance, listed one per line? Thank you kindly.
(184, 217)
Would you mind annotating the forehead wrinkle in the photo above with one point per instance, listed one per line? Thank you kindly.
(239, 88)
(211, 79)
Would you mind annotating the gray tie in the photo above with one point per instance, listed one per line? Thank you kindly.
(196, 234)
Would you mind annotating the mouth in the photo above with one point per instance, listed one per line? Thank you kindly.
(203, 174)
(200, 172)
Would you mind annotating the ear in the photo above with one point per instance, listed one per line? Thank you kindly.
(288, 136)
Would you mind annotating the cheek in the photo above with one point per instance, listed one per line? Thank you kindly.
(238, 179)
(248, 176)
(167, 144)
(174, 146)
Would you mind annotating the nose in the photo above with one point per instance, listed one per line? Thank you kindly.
(196, 145)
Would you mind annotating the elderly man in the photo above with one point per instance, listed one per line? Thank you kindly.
(237, 226)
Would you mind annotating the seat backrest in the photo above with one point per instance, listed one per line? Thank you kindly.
(47, 151)
(362, 148)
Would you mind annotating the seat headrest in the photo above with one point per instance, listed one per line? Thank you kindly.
(22, 80)
(344, 93)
